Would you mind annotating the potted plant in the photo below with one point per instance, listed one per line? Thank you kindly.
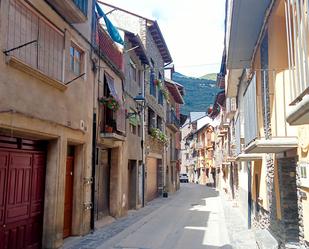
(157, 82)
(110, 102)
(108, 129)
(158, 134)
(165, 193)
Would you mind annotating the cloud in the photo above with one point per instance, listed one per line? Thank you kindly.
(193, 30)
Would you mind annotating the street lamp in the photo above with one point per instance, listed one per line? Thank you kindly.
(140, 100)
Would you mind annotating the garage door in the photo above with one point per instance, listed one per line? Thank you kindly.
(22, 174)
(152, 185)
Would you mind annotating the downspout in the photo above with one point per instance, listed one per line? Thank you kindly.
(249, 194)
(143, 141)
(94, 127)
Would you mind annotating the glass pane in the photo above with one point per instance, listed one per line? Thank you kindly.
(72, 63)
(71, 51)
(77, 54)
(77, 67)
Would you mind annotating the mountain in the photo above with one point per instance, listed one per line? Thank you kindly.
(199, 93)
(210, 76)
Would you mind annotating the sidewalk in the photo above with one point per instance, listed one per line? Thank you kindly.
(240, 236)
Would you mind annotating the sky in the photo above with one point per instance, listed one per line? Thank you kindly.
(193, 30)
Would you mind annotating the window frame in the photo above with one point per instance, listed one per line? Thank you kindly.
(76, 60)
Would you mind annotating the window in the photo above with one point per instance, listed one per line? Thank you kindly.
(133, 129)
(75, 60)
(152, 83)
(159, 123)
(151, 119)
(140, 78)
(160, 97)
(133, 71)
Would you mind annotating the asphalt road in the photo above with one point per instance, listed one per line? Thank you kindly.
(192, 218)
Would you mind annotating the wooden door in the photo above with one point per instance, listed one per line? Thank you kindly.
(152, 185)
(104, 183)
(68, 201)
(22, 179)
(132, 184)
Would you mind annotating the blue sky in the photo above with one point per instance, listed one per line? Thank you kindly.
(193, 30)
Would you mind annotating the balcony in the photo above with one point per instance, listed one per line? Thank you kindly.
(238, 136)
(297, 30)
(279, 135)
(75, 11)
(172, 121)
(111, 127)
(109, 49)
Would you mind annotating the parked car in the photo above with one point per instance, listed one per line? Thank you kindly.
(183, 177)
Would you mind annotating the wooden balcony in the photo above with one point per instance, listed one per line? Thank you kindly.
(75, 11)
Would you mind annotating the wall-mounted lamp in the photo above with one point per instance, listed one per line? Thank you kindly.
(140, 100)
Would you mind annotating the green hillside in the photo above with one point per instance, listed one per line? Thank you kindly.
(199, 93)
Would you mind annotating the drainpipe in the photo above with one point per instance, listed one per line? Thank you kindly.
(249, 195)
(94, 128)
(94, 135)
(143, 141)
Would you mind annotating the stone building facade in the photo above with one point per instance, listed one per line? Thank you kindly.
(45, 121)
(159, 56)
(176, 92)
(268, 140)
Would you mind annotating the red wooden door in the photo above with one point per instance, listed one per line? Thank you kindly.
(68, 201)
(22, 178)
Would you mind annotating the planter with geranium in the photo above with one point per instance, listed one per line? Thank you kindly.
(157, 82)
(159, 135)
(110, 102)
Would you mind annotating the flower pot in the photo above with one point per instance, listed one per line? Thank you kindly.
(108, 129)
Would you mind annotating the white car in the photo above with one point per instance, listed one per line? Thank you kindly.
(183, 177)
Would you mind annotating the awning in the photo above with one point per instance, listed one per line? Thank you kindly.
(120, 114)
(112, 89)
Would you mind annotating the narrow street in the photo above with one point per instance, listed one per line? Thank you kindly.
(195, 217)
